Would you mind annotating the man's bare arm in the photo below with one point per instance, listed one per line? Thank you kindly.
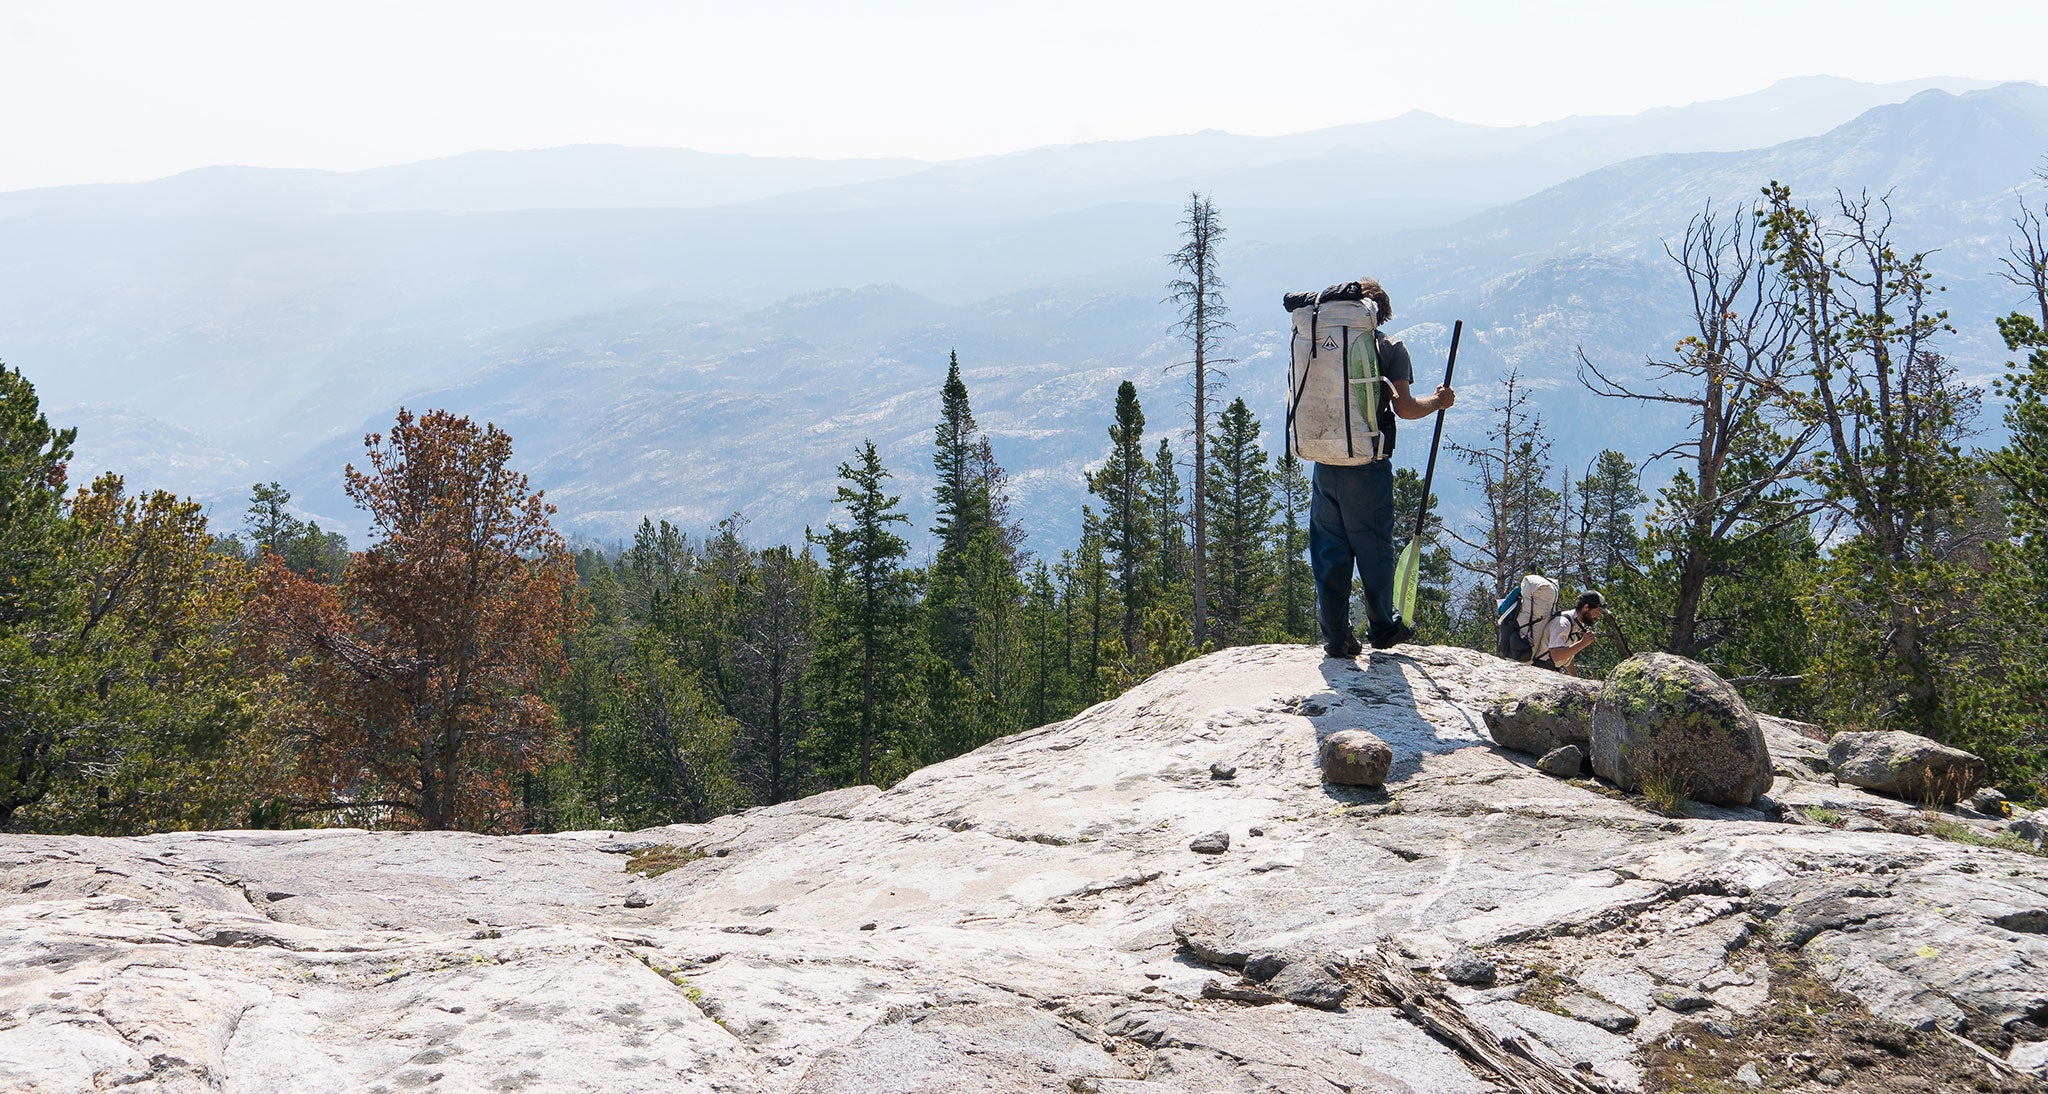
(1408, 406)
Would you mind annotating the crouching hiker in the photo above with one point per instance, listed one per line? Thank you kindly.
(1570, 633)
(1348, 385)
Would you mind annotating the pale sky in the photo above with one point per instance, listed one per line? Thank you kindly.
(120, 91)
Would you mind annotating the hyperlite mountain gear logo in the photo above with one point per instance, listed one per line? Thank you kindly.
(1329, 344)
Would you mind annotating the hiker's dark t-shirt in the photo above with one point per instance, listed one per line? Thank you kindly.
(1394, 365)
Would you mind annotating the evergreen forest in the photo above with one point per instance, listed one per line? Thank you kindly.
(1828, 527)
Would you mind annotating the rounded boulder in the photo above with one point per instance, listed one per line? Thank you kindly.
(1664, 718)
(1544, 715)
(1906, 765)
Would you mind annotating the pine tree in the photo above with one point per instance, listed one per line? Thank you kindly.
(1608, 542)
(1243, 575)
(469, 594)
(39, 596)
(2002, 687)
(1044, 677)
(1725, 503)
(1169, 522)
(1090, 596)
(271, 528)
(1297, 580)
(776, 660)
(740, 626)
(1126, 527)
(961, 507)
(158, 721)
(1890, 413)
(866, 682)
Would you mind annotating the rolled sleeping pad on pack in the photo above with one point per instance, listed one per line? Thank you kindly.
(1348, 291)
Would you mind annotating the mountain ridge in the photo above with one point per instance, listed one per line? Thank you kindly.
(339, 321)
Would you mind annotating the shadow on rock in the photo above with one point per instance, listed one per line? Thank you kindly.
(1376, 696)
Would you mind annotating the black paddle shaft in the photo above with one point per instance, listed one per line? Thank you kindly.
(1422, 508)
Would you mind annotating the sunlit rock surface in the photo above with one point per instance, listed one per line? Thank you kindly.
(1027, 917)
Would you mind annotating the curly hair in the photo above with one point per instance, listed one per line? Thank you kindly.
(1377, 293)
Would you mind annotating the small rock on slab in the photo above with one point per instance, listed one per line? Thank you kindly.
(1214, 843)
(1221, 772)
(1906, 766)
(1209, 941)
(2028, 828)
(1309, 983)
(1466, 967)
(1266, 966)
(638, 899)
(1599, 1012)
(1563, 762)
(1354, 757)
(1683, 1001)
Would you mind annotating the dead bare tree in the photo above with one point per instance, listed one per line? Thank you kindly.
(1199, 293)
(1517, 532)
(2026, 261)
(1743, 449)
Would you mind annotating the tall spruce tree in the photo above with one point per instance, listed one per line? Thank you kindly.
(1242, 576)
(1092, 592)
(775, 660)
(1169, 522)
(1126, 526)
(1297, 580)
(1045, 676)
(866, 684)
(960, 498)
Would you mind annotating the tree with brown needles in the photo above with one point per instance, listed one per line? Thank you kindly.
(421, 672)
(1199, 293)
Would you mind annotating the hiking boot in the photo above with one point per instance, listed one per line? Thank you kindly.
(1393, 636)
(1344, 649)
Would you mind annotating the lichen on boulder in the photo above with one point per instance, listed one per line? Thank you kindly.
(1545, 716)
(1665, 720)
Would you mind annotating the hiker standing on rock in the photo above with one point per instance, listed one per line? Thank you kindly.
(1351, 512)
(1567, 635)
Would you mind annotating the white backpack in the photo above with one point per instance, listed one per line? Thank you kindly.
(1337, 399)
(1522, 618)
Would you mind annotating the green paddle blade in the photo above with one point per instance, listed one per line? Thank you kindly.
(1406, 577)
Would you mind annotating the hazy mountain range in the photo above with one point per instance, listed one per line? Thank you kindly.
(682, 335)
